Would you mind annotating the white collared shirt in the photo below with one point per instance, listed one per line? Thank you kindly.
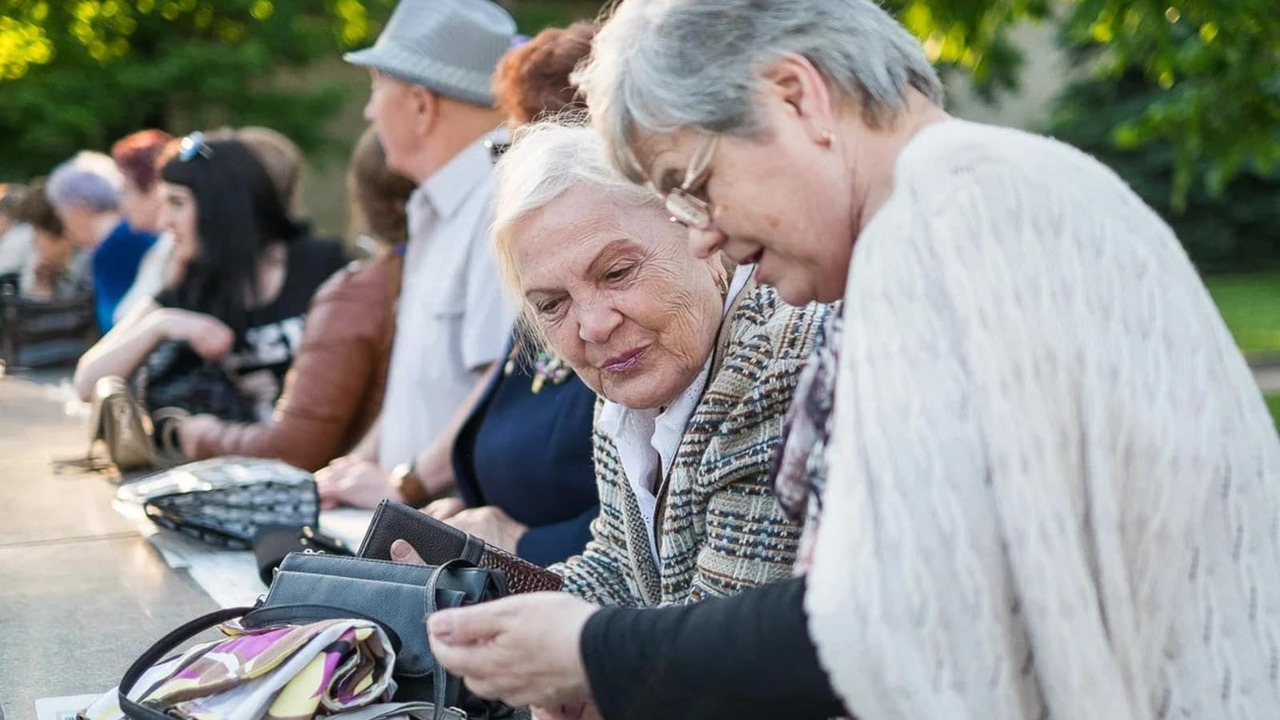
(647, 439)
(451, 320)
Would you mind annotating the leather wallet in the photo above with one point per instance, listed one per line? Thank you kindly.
(438, 543)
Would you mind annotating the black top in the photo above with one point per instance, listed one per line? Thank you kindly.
(530, 454)
(263, 352)
(744, 657)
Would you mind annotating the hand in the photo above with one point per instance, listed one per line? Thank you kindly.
(491, 524)
(522, 649)
(207, 335)
(355, 481)
(575, 711)
(191, 429)
(444, 508)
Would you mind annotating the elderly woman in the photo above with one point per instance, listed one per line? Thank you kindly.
(1051, 485)
(695, 367)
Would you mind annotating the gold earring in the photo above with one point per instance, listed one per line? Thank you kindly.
(722, 283)
(826, 139)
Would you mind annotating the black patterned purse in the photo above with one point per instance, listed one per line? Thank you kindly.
(224, 501)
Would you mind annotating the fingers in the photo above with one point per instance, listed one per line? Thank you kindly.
(464, 627)
(402, 551)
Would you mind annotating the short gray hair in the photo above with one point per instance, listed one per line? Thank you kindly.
(664, 65)
(546, 160)
(90, 179)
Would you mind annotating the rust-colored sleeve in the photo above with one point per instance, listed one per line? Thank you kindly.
(337, 374)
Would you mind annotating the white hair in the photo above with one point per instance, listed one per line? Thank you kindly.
(658, 66)
(546, 160)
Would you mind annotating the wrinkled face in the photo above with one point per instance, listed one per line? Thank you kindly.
(796, 221)
(617, 294)
(178, 216)
(393, 112)
(142, 207)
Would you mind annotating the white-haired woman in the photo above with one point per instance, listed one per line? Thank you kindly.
(1051, 484)
(695, 366)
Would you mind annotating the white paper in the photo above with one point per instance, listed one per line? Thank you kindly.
(63, 708)
(230, 577)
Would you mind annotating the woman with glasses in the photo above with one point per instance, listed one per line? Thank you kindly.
(1037, 475)
(242, 281)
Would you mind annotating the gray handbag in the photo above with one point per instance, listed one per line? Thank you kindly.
(398, 597)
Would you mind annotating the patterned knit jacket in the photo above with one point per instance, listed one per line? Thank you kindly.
(720, 529)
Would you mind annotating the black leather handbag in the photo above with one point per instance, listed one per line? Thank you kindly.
(399, 597)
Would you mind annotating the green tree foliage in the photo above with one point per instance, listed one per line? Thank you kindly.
(82, 73)
(1238, 229)
(77, 73)
(1213, 67)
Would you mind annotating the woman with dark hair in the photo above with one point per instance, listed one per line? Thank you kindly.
(243, 276)
(334, 391)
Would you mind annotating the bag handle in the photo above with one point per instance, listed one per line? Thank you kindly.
(440, 675)
(160, 650)
(307, 612)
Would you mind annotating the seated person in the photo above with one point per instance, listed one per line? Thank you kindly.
(518, 452)
(141, 201)
(243, 276)
(86, 192)
(696, 366)
(16, 238)
(334, 391)
(57, 270)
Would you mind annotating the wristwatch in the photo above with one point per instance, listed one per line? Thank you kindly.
(410, 486)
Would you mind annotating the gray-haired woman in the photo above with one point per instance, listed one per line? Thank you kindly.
(695, 366)
(1049, 486)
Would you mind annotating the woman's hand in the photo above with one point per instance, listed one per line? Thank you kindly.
(444, 508)
(491, 524)
(355, 481)
(521, 649)
(573, 711)
(207, 335)
(190, 430)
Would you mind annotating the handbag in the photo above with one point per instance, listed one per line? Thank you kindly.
(437, 543)
(395, 597)
(175, 376)
(224, 501)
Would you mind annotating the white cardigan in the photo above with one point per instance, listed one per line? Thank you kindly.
(1053, 482)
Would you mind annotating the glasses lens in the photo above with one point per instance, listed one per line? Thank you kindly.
(688, 211)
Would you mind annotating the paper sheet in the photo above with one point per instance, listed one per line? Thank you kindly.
(230, 577)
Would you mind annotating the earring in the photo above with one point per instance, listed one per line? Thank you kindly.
(826, 139)
(722, 283)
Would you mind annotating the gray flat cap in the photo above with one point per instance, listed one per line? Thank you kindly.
(447, 46)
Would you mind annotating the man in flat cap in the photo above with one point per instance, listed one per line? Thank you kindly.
(433, 111)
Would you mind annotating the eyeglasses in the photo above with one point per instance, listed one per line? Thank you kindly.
(686, 208)
(192, 145)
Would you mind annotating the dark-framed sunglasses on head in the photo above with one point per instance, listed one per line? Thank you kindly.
(193, 145)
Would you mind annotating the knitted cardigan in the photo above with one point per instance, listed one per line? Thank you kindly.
(720, 529)
(1053, 488)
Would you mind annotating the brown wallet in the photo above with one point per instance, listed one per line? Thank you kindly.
(438, 543)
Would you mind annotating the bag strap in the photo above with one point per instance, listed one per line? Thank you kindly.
(441, 676)
(160, 650)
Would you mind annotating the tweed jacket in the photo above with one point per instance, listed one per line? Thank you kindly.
(720, 529)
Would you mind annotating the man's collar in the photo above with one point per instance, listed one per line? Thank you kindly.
(449, 186)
